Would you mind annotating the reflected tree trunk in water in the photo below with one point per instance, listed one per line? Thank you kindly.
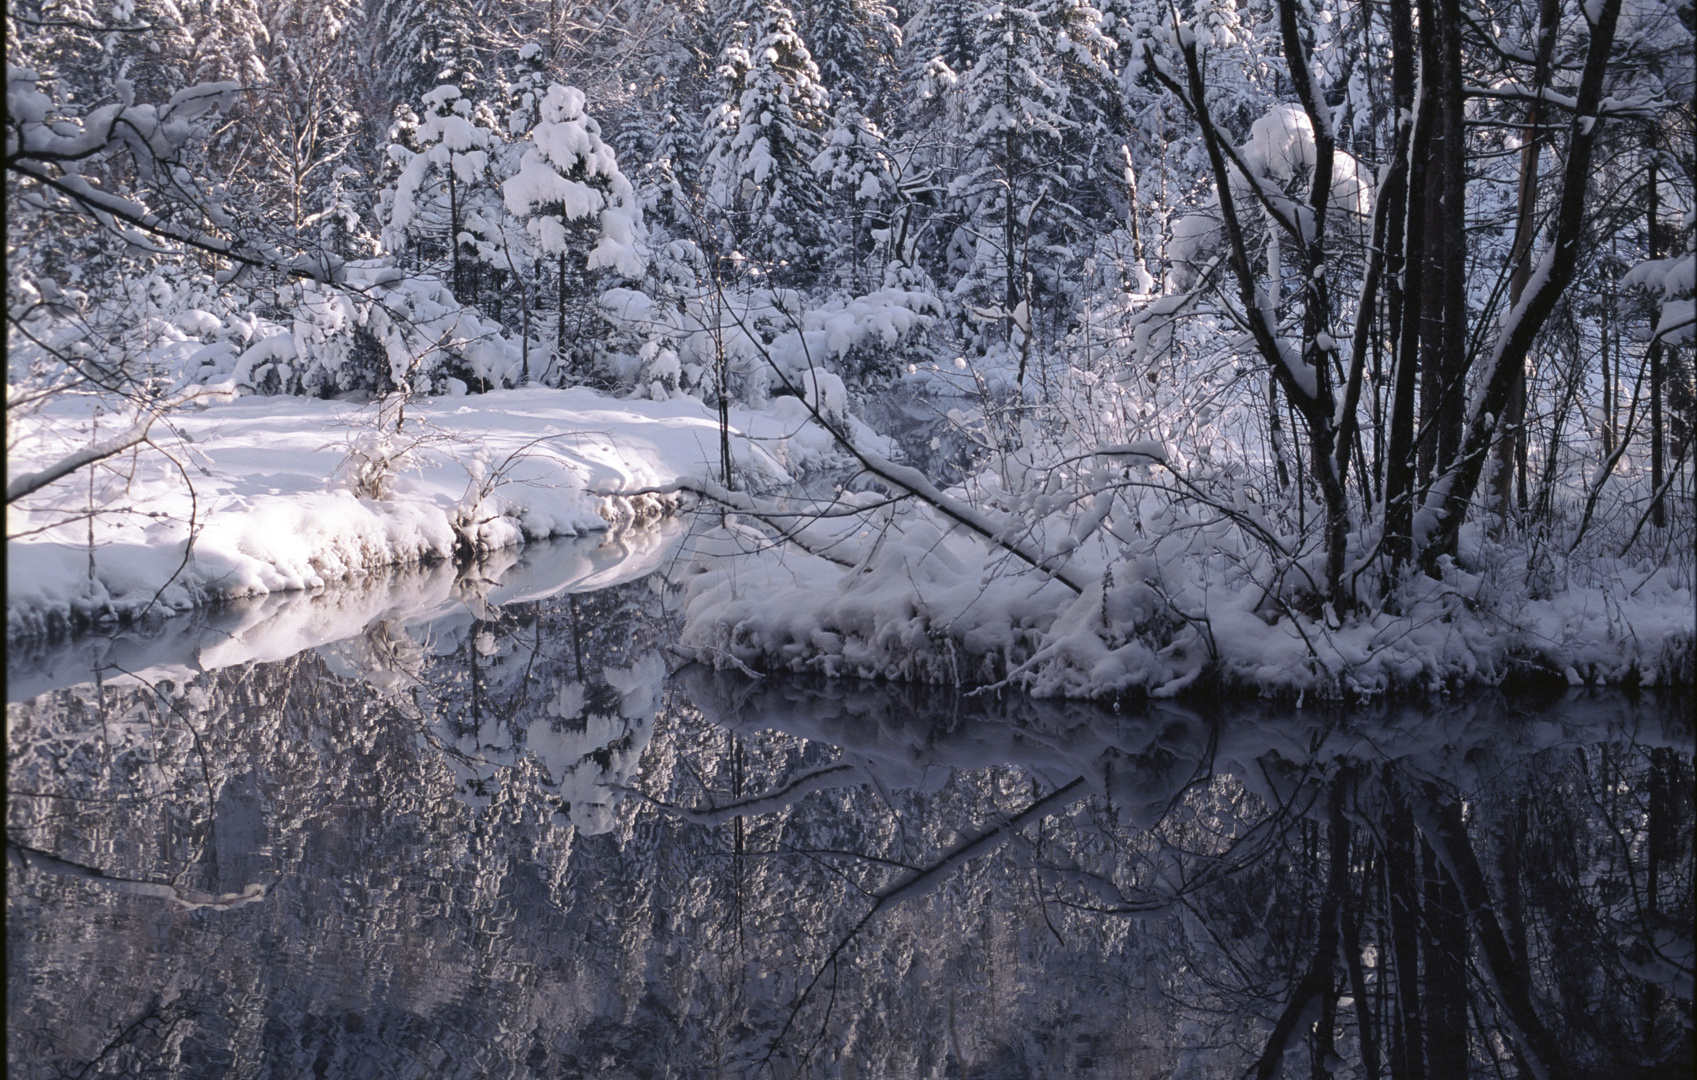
(1315, 996)
(1408, 1049)
(1453, 977)
(1443, 949)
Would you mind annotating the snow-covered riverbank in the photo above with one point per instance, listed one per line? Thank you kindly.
(938, 608)
(289, 493)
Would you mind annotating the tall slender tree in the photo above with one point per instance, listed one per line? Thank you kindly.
(761, 142)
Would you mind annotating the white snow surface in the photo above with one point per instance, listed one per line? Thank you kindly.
(292, 493)
(924, 604)
(273, 497)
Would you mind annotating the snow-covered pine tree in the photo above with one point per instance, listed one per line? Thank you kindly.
(856, 170)
(579, 211)
(87, 46)
(229, 40)
(760, 143)
(659, 135)
(444, 158)
(156, 62)
(855, 44)
(939, 30)
(421, 44)
(505, 276)
(302, 111)
(63, 45)
(1033, 106)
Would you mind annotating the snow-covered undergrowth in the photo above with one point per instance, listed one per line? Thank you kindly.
(261, 494)
(924, 604)
(1114, 544)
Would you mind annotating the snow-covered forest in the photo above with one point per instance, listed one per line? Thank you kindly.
(1297, 346)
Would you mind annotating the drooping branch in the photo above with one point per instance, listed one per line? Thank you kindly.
(25, 858)
(50, 152)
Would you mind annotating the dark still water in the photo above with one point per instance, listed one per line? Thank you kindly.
(480, 826)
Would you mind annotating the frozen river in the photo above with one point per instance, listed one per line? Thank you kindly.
(485, 824)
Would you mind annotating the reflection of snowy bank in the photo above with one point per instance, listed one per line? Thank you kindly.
(540, 658)
(276, 626)
(907, 737)
(289, 493)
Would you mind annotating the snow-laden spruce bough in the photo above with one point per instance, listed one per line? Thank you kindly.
(1211, 477)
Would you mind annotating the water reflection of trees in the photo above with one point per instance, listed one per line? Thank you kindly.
(397, 800)
(492, 846)
(1391, 893)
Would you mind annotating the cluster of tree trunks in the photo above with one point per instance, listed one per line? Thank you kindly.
(1458, 391)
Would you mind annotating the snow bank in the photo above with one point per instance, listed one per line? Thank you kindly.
(275, 626)
(286, 493)
(915, 603)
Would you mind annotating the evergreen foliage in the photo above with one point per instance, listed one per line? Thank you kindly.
(762, 139)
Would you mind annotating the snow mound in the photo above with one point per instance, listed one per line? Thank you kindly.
(263, 495)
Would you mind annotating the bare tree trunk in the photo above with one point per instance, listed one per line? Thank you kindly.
(1317, 988)
(1430, 313)
(454, 234)
(1507, 975)
(1511, 448)
(1610, 373)
(1366, 1031)
(560, 311)
(1408, 300)
(1450, 497)
(1658, 509)
(1453, 339)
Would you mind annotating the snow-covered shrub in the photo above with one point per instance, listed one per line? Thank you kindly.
(379, 330)
(680, 329)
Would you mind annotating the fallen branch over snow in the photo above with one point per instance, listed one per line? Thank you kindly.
(30, 483)
(912, 481)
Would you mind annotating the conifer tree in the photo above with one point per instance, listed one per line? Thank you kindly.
(659, 138)
(156, 62)
(761, 142)
(579, 211)
(942, 30)
(444, 162)
(1032, 105)
(305, 115)
(855, 44)
(856, 171)
(421, 44)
